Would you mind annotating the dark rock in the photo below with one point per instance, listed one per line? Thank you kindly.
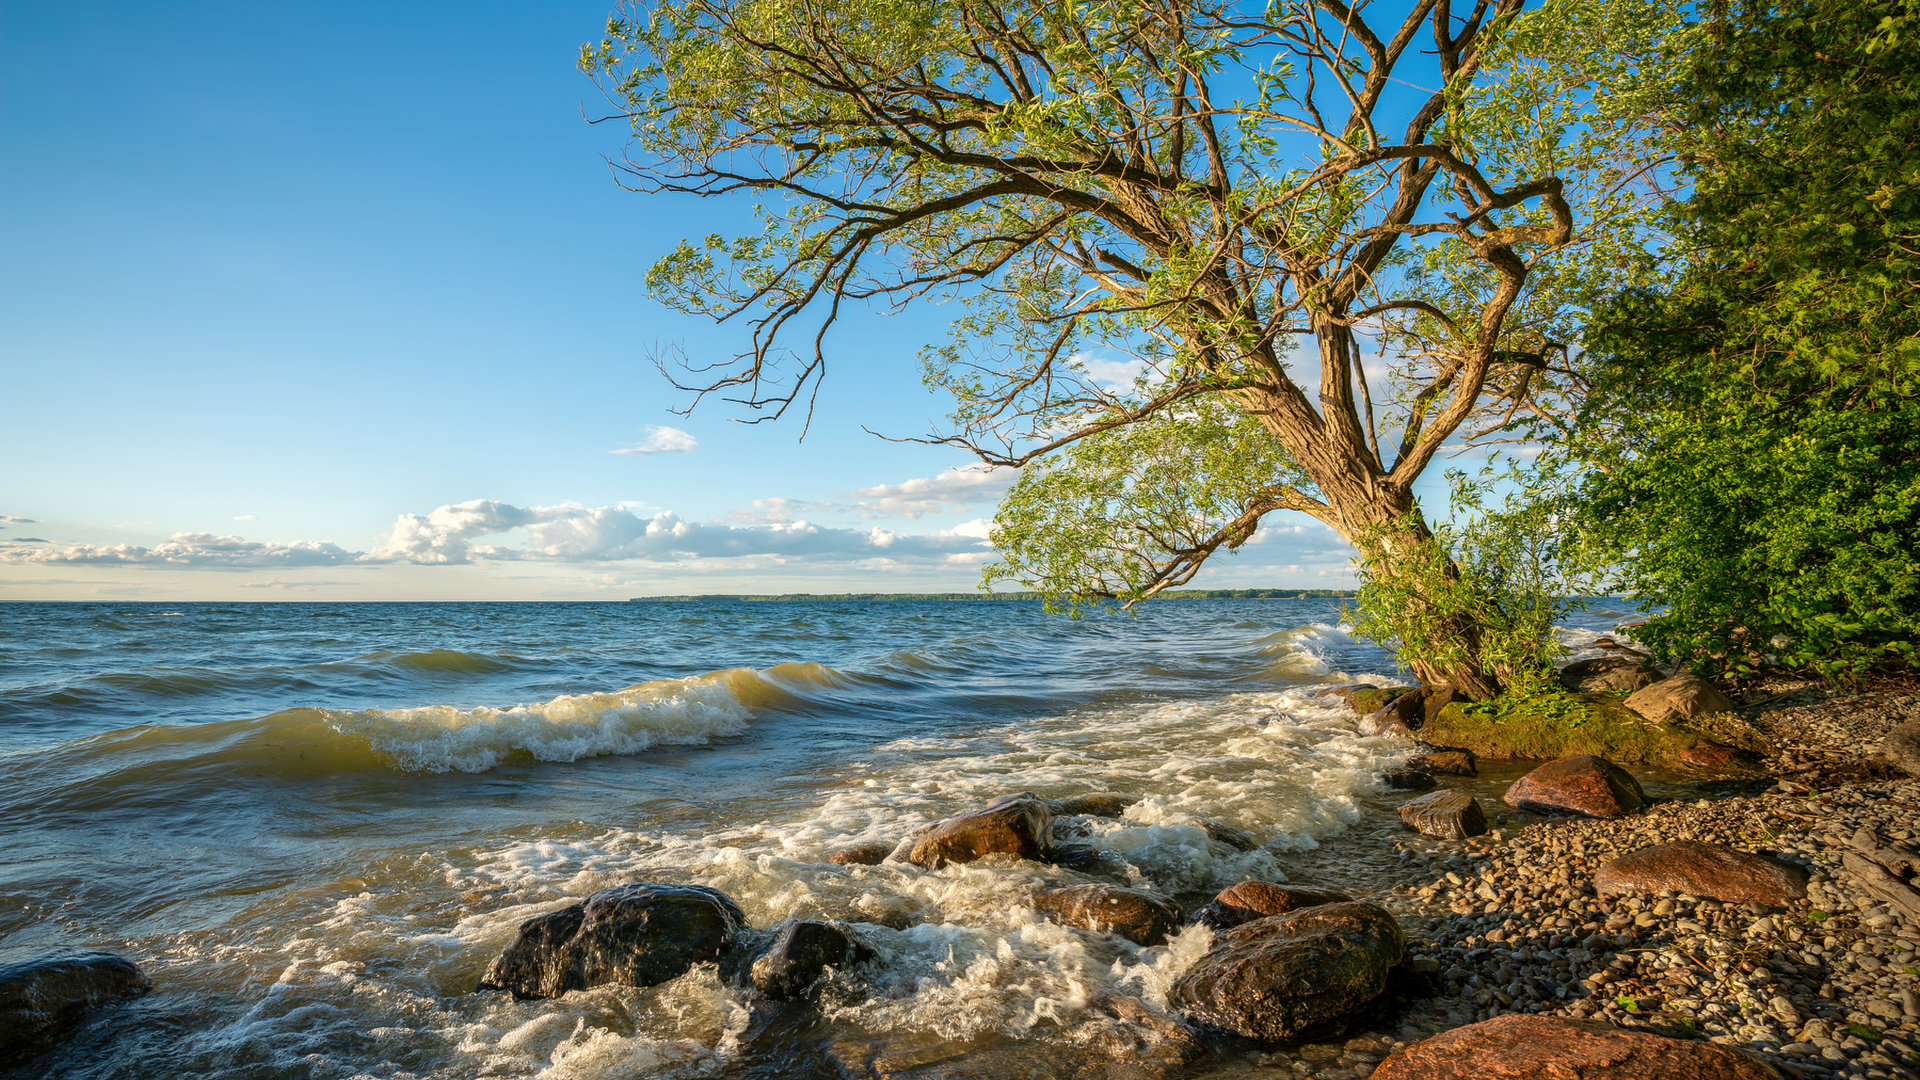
(872, 854)
(1520, 1047)
(1070, 828)
(1680, 697)
(1250, 900)
(1289, 977)
(1709, 870)
(1009, 825)
(1435, 698)
(1578, 784)
(1447, 814)
(801, 954)
(1140, 917)
(1397, 718)
(1411, 780)
(1901, 747)
(632, 935)
(1222, 833)
(42, 1000)
(1088, 859)
(1450, 761)
(1095, 804)
(1619, 674)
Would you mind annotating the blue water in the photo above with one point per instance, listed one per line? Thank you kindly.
(314, 824)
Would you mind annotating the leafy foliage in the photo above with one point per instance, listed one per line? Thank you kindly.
(1755, 431)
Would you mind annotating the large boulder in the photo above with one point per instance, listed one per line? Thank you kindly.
(1577, 784)
(1250, 900)
(1009, 825)
(1521, 1047)
(1141, 917)
(1680, 697)
(1901, 747)
(1290, 977)
(1709, 870)
(802, 952)
(43, 999)
(1447, 814)
(632, 935)
(1619, 674)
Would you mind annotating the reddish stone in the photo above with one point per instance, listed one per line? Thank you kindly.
(1521, 1047)
(1710, 756)
(1009, 825)
(1447, 814)
(1580, 784)
(1709, 870)
(1140, 917)
(1252, 900)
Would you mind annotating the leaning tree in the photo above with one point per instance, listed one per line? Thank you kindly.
(1322, 245)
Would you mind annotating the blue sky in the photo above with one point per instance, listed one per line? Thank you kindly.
(340, 302)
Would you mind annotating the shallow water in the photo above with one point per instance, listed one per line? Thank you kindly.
(314, 824)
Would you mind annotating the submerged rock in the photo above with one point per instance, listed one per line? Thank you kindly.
(1521, 1047)
(43, 999)
(632, 935)
(1410, 780)
(870, 854)
(1250, 900)
(1449, 815)
(802, 952)
(1619, 674)
(1011, 825)
(1222, 833)
(1095, 804)
(1088, 859)
(1577, 784)
(1288, 977)
(1680, 697)
(1446, 760)
(1720, 873)
(1708, 755)
(1141, 917)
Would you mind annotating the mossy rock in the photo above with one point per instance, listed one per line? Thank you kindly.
(1374, 698)
(1594, 723)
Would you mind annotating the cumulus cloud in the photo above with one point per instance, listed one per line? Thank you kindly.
(199, 551)
(1109, 374)
(453, 534)
(954, 489)
(662, 440)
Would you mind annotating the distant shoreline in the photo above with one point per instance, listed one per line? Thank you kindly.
(978, 597)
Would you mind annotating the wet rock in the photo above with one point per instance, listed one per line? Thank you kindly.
(1397, 717)
(1088, 859)
(1709, 870)
(872, 854)
(1579, 784)
(1250, 900)
(632, 935)
(801, 954)
(42, 1000)
(1901, 747)
(1619, 674)
(1449, 761)
(1448, 814)
(1410, 780)
(1095, 804)
(1288, 977)
(1141, 917)
(1519, 1047)
(1222, 833)
(1011, 825)
(1680, 697)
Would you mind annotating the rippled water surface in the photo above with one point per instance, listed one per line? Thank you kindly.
(314, 824)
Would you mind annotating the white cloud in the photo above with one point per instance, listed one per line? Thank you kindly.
(12, 520)
(200, 551)
(952, 490)
(452, 534)
(662, 440)
(1109, 374)
(247, 517)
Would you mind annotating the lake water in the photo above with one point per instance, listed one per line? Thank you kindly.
(315, 824)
